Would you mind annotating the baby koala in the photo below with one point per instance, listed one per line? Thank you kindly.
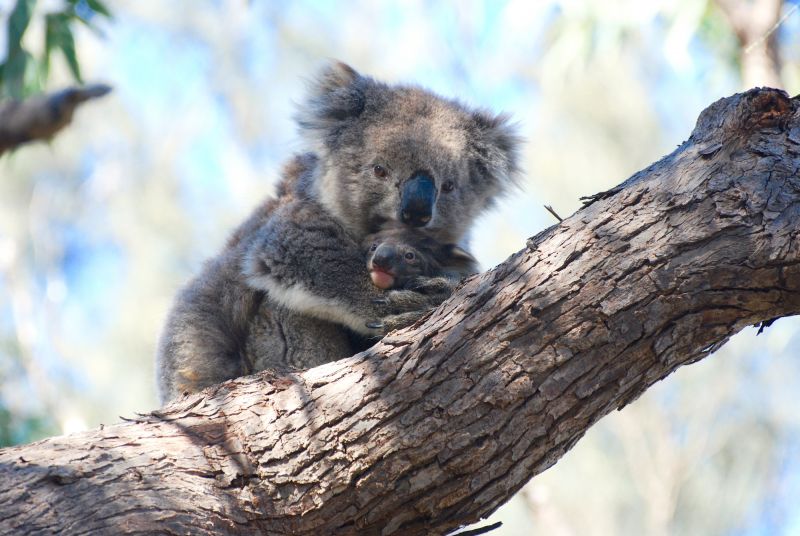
(396, 257)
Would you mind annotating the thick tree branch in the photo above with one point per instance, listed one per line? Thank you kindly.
(439, 424)
(40, 117)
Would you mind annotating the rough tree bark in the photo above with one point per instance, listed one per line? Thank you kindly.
(440, 423)
(41, 117)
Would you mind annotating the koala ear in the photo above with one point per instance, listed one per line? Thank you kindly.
(496, 151)
(335, 76)
(336, 95)
(460, 259)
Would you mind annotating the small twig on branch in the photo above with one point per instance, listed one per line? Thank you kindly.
(40, 117)
(553, 212)
(589, 199)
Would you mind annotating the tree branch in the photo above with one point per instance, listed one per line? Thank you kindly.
(40, 117)
(440, 423)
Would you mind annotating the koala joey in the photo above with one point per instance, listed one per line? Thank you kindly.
(399, 258)
(289, 288)
(407, 258)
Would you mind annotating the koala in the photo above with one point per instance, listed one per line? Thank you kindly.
(396, 258)
(400, 258)
(289, 288)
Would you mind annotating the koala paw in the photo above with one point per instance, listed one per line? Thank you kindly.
(431, 286)
(401, 308)
(411, 301)
(393, 322)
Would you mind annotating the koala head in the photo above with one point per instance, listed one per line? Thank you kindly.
(395, 256)
(400, 154)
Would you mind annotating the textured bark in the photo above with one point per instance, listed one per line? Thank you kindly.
(440, 423)
(40, 117)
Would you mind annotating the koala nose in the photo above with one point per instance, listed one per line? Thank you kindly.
(383, 258)
(417, 199)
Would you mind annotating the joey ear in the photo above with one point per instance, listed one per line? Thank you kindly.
(460, 258)
(496, 151)
(335, 95)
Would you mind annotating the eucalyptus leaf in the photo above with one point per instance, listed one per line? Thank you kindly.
(99, 7)
(18, 22)
(58, 35)
(14, 74)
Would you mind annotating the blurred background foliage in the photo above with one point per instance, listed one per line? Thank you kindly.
(21, 73)
(99, 228)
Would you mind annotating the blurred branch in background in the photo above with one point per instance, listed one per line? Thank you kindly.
(22, 74)
(40, 117)
(755, 24)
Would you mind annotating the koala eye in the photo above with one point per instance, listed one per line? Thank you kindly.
(373, 247)
(448, 186)
(379, 171)
(409, 256)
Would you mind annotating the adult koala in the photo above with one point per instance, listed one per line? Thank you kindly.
(290, 288)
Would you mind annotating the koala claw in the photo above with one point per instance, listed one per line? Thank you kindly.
(375, 325)
(381, 301)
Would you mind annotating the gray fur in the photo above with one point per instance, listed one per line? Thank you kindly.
(433, 268)
(411, 255)
(354, 123)
(290, 289)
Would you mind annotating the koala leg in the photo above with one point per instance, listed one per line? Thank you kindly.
(202, 338)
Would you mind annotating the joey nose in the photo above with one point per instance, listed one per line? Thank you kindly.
(417, 198)
(382, 259)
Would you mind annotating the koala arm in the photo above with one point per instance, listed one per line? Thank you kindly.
(307, 262)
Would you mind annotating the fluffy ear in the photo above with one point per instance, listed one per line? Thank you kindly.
(459, 260)
(336, 94)
(496, 151)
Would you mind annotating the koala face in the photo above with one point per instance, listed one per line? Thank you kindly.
(395, 256)
(392, 259)
(400, 154)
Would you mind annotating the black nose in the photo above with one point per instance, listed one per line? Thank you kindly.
(417, 199)
(383, 258)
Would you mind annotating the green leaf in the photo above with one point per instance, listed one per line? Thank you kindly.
(14, 81)
(99, 7)
(68, 48)
(20, 76)
(18, 22)
(58, 35)
(49, 45)
(21, 73)
(14, 74)
(31, 81)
